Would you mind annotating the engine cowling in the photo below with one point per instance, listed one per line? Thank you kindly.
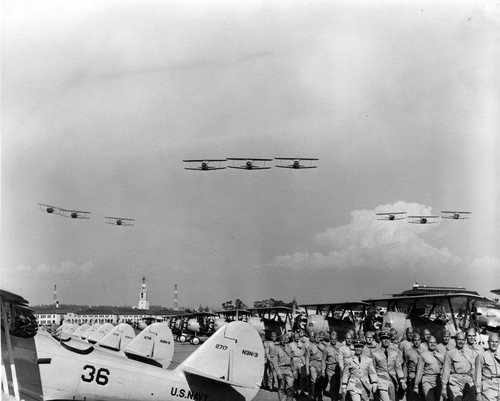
(316, 324)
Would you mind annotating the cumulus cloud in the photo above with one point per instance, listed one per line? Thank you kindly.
(366, 242)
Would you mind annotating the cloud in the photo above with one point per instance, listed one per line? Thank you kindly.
(366, 242)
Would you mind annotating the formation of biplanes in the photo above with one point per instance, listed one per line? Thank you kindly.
(423, 219)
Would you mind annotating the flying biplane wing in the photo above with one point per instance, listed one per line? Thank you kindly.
(422, 219)
(446, 214)
(295, 162)
(74, 214)
(119, 221)
(49, 208)
(390, 216)
(243, 163)
(205, 164)
(454, 311)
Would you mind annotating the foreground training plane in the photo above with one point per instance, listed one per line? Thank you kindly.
(391, 216)
(228, 366)
(250, 163)
(295, 162)
(119, 221)
(422, 219)
(205, 164)
(447, 214)
(455, 312)
(71, 213)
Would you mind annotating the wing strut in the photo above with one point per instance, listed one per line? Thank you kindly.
(9, 350)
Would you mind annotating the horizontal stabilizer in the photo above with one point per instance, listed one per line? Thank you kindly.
(233, 355)
(153, 345)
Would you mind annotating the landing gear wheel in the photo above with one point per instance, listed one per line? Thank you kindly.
(195, 341)
(182, 339)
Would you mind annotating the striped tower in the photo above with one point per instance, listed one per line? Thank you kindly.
(176, 299)
(56, 302)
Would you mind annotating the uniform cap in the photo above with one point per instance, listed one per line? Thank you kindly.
(358, 343)
(384, 334)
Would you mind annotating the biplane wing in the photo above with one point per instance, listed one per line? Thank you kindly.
(119, 221)
(341, 317)
(453, 311)
(205, 164)
(446, 214)
(74, 214)
(295, 162)
(49, 208)
(422, 219)
(390, 216)
(249, 163)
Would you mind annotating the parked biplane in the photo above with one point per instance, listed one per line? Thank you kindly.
(446, 214)
(455, 312)
(391, 216)
(200, 325)
(270, 319)
(119, 221)
(295, 162)
(249, 163)
(341, 317)
(205, 164)
(422, 219)
(228, 366)
(230, 315)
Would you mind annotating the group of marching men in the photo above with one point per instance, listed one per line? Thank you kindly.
(378, 367)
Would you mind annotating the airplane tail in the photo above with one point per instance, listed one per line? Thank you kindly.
(154, 345)
(118, 338)
(234, 355)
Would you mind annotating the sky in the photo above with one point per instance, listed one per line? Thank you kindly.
(102, 100)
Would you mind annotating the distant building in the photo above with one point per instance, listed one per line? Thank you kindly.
(143, 296)
(419, 289)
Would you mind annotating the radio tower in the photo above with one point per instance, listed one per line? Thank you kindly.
(176, 299)
(56, 302)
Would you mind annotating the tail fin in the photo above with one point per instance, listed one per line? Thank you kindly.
(153, 345)
(233, 355)
(118, 338)
(100, 333)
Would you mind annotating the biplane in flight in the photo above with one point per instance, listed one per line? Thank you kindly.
(435, 312)
(71, 213)
(422, 219)
(295, 162)
(119, 221)
(229, 365)
(447, 214)
(391, 216)
(248, 163)
(341, 317)
(205, 164)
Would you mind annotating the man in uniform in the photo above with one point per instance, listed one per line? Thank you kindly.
(487, 375)
(388, 363)
(283, 365)
(315, 367)
(429, 372)
(471, 342)
(359, 377)
(394, 338)
(298, 362)
(370, 346)
(411, 359)
(446, 344)
(406, 344)
(347, 350)
(458, 372)
(426, 334)
(270, 373)
(333, 366)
